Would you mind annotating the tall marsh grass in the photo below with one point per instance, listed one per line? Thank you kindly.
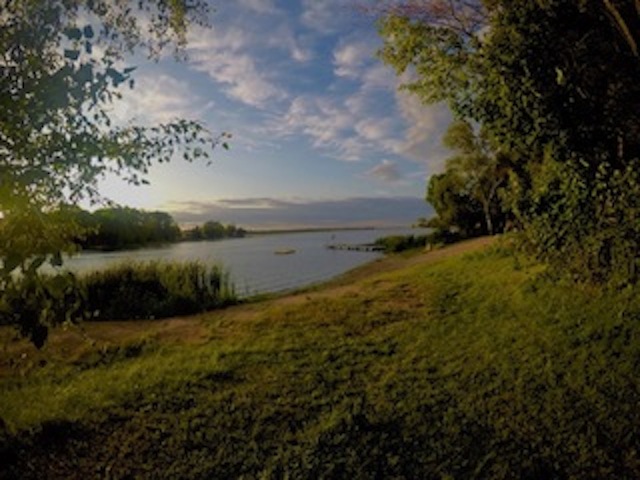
(155, 290)
(123, 292)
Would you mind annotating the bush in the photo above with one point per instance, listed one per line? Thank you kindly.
(34, 302)
(443, 236)
(587, 230)
(400, 243)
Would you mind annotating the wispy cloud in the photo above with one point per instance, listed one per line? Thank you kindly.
(340, 128)
(386, 171)
(350, 127)
(224, 56)
(259, 6)
(322, 119)
(426, 126)
(157, 99)
(326, 16)
(375, 129)
(349, 58)
(282, 37)
(379, 76)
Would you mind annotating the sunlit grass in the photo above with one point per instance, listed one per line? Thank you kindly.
(477, 365)
(112, 377)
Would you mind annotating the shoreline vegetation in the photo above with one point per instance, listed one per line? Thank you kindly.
(121, 228)
(135, 291)
(279, 231)
(126, 291)
(466, 361)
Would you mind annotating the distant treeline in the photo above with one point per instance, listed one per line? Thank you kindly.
(213, 231)
(123, 227)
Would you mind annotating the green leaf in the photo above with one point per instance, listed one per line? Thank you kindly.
(11, 262)
(85, 73)
(36, 263)
(88, 31)
(56, 260)
(73, 33)
(116, 76)
(71, 54)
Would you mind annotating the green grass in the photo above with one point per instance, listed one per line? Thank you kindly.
(477, 366)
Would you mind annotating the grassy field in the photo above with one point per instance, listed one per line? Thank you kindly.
(466, 362)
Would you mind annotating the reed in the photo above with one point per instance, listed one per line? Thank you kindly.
(124, 292)
(155, 290)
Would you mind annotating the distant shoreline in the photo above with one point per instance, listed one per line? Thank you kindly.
(319, 229)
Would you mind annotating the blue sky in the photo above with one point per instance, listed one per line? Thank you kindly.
(319, 126)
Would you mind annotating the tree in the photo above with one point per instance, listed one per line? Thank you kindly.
(59, 72)
(532, 73)
(123, 227)
(161, 227)
(456, 209)
(482, 173)
(554, 84)
(439, 43)
(213, 230)
(193, 234)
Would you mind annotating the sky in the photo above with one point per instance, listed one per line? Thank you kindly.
(321, 134)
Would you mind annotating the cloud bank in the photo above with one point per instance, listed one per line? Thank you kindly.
(267, 213)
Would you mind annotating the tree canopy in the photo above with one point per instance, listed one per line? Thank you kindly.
(467, 195)
(124, 227)
(62, 63)
(59, 72)
(212, 230)
(553, 84)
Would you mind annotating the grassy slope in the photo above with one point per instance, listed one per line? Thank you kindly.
(435, 366)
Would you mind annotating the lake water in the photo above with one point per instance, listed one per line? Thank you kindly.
(251, 262)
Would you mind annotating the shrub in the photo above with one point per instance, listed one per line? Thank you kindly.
(400, 243)
(443, 236)
(35, 302)
(586, 230)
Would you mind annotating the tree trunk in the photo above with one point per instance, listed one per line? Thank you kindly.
(487, 218)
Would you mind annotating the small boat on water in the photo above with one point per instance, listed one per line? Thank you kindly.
(285, 251)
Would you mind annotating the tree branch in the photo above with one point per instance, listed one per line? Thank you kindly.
(622, 25)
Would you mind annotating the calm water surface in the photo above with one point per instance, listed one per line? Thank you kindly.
(251, 262)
